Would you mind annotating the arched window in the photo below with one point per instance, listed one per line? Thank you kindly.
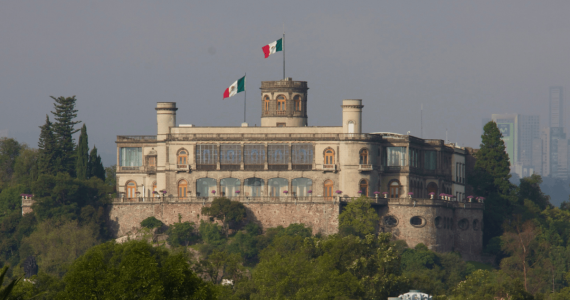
(394, 189)
(131, 189)
(277, 187)
(363, 186)
(329, 156)
(154, 190)
(182, 189)
(432, 188)
(301, 186)
(205, 186)
(229, 187)
(364, 157)
(297, 101)
(182, 157)
(350, 127)
(281, 103)
(266, 104)
(253, 187)
(328, 190)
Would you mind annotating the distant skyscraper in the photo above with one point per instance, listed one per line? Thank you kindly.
(556, 111)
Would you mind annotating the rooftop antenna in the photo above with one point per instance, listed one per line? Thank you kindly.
(446, 135)
(422, 122)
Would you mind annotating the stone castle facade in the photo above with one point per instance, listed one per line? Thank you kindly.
(288, 172)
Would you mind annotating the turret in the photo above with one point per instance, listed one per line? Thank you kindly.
(165, 118)
(284, 103)
(352, 115)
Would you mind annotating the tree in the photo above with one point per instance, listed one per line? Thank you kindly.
(229, 212)
(26, 167)
(82, 165)
(64, 128)
(9, 152)
(487, 285)
(133, 270)
(6, 291)
(181, 234)
(359, 218)
(490, 179)
(151, 223)
(110, 176)
(48, 150)
(95, 165)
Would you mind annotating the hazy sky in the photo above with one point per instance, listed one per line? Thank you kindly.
(462, 60)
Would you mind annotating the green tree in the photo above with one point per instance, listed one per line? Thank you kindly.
(358, 217)
(9, 152)
(181, 234)
(6, 291)
(229, 212)
(82, 165)
(26, 167)
(64, 128)
(48, 151)
(96, 168)
(488, 285)
(110, 176)
(490, 179)
(133, 270)
(151, 223)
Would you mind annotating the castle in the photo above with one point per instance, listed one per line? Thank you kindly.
(288, 172)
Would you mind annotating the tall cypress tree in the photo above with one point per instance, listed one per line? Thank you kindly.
(96, 168)
(64, 128)
(490, 179)
(82, 162)
(48, 156)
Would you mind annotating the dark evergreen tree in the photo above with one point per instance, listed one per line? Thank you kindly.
(490, 179)
(48, 156)
(82, 162)
(96, 168)
(64, 128)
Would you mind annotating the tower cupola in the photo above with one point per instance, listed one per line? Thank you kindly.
(284, 103)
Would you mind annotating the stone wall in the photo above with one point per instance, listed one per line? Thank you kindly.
(322, 217)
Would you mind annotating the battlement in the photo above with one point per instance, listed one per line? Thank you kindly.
(27, 201)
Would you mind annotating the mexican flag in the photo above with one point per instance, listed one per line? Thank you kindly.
(236, 87)
(276, 46)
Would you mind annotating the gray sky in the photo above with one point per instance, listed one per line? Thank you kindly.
(462, 60)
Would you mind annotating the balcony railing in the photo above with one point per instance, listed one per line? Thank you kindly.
(136, 138)
(328, 167)
(130, 169)
(273, 137)
(243, 199)
(365, 168)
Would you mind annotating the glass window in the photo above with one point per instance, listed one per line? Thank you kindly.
(430, 160)
(266, 103)
(131, 189)
(230, 154)
(253, 187)
(363, 157)
(302, 154)
(278, 154)
(182, 189)
(229, 186)
(394, 189)
(363, 187)
(281, 103)
(395, 156)
(206, 154)
(297, 101)
(329, 157)
(182, 157)
(154, 190)
(130, 157)
(350, 127)
(277, 186)
(328, 190)
(205, 186)
(300, 186)
(414, 161)
(151, 161)
(254, 154)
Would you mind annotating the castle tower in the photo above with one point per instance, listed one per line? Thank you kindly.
(352, 116)
(284, 103)
(165, 118)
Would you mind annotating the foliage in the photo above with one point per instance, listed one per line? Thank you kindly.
(26, 167)
(358, 217)
(6, 291)
(220, 265)
(9, 152)
(38, 287)
(63, 129)
(82, 156)
(48, 160)
(211, 233)
(96, 168)
(151, 223)
(133, 270)
(12, 230)
(486, 285)
(111, 176)
(231, 213)
(182, 234)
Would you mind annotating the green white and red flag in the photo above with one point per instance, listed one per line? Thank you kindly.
(236, 87)
(276, 46)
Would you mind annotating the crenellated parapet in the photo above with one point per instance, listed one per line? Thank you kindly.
(27, 201)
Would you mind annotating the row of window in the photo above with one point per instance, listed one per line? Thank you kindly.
(439, 222)
(282, 103)
(459, 172)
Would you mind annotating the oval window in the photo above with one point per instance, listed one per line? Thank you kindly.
(417, 221)
(438, 222)
(463, 224)
(390, 221)
(476, 224)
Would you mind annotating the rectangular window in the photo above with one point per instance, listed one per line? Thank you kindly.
(130, 157)
(206, 154)
(395, 156)
(230, 154)
(278, 154)
(254, 154)
(430, 160)
(280, 124)
(151, 162)
(302, 154)
(414, 161)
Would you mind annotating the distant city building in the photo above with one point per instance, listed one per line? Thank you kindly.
(556, 111)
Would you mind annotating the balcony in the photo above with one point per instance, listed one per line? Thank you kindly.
(136, 138)
(182, 168)
(130, 169)
(365, 168)
(150, 170)
(330, 168)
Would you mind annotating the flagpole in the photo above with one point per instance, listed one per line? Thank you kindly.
(283, 52)
(244, 94)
